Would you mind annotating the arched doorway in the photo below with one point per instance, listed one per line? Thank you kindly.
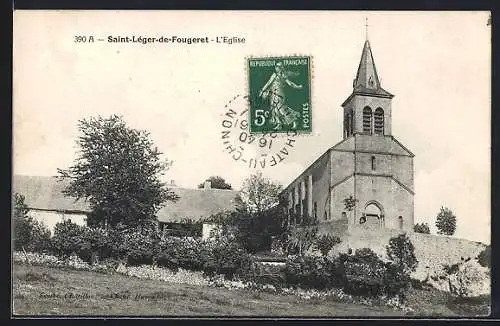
(373, 214)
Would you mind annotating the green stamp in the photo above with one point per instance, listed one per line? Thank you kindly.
(280, 94)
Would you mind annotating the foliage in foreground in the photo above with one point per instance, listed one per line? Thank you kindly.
(362, 273)
(147, 246)
(29, 234)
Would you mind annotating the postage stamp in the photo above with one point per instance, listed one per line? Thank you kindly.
(280, 94)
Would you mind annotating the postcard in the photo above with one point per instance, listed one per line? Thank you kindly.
(251, 163)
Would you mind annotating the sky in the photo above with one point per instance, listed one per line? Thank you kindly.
(437, 64)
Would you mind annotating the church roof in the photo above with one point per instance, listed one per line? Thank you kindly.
(45, 193)
(367, 81)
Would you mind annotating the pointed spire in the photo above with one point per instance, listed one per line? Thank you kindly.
(367, 77)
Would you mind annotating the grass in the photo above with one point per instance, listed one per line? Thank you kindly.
(39, 290)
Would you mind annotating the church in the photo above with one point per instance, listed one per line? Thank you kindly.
(369, 164)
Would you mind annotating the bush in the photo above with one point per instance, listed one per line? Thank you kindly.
(226, 256)
(401, 252)
(484, 257)
(70, 238)
(300, 239)
(29, 234)
(422, 228)
(186, 253)
(89, 244)
(395, 281)
(364, 273)
(312, 272)
(140, 246)
(326, 242)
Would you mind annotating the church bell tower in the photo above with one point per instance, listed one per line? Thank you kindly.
(368, 109)
(382, 177)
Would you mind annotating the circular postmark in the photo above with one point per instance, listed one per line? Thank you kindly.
(256, 151)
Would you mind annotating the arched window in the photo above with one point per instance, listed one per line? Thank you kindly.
(367, 120)
(373, 162)
(400, 220)
(379, 121)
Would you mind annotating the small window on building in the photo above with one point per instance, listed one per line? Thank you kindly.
(344, 216)
(400, 220)
(367, 120)
(348, 123)
(373, 162)
(315, 209)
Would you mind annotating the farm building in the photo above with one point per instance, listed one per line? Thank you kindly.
(46, 202)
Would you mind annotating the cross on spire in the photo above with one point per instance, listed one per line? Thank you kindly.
(366, 27)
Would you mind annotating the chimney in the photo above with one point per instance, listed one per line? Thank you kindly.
(207, 185)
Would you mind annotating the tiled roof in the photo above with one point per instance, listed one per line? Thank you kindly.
(196, 204)
(46, 193)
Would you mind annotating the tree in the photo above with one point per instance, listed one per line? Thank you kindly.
(259, 216)
(118, 172)
(22, 227)
(216, 182)
(422, 228)
(401, 252)
(350, 203)
(446, 222)
(258, 194)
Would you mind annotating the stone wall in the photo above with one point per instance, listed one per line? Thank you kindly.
(431, 251)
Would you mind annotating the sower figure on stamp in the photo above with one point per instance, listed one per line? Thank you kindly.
(281, 113)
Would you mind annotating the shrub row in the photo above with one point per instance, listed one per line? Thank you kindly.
(362, 273)
(146, 247)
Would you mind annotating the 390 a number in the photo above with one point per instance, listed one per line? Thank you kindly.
(80, 39)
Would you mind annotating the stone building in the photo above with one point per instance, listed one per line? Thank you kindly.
(369, 164)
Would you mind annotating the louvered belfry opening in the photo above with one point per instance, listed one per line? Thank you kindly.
(379, 121)
(367, 120)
